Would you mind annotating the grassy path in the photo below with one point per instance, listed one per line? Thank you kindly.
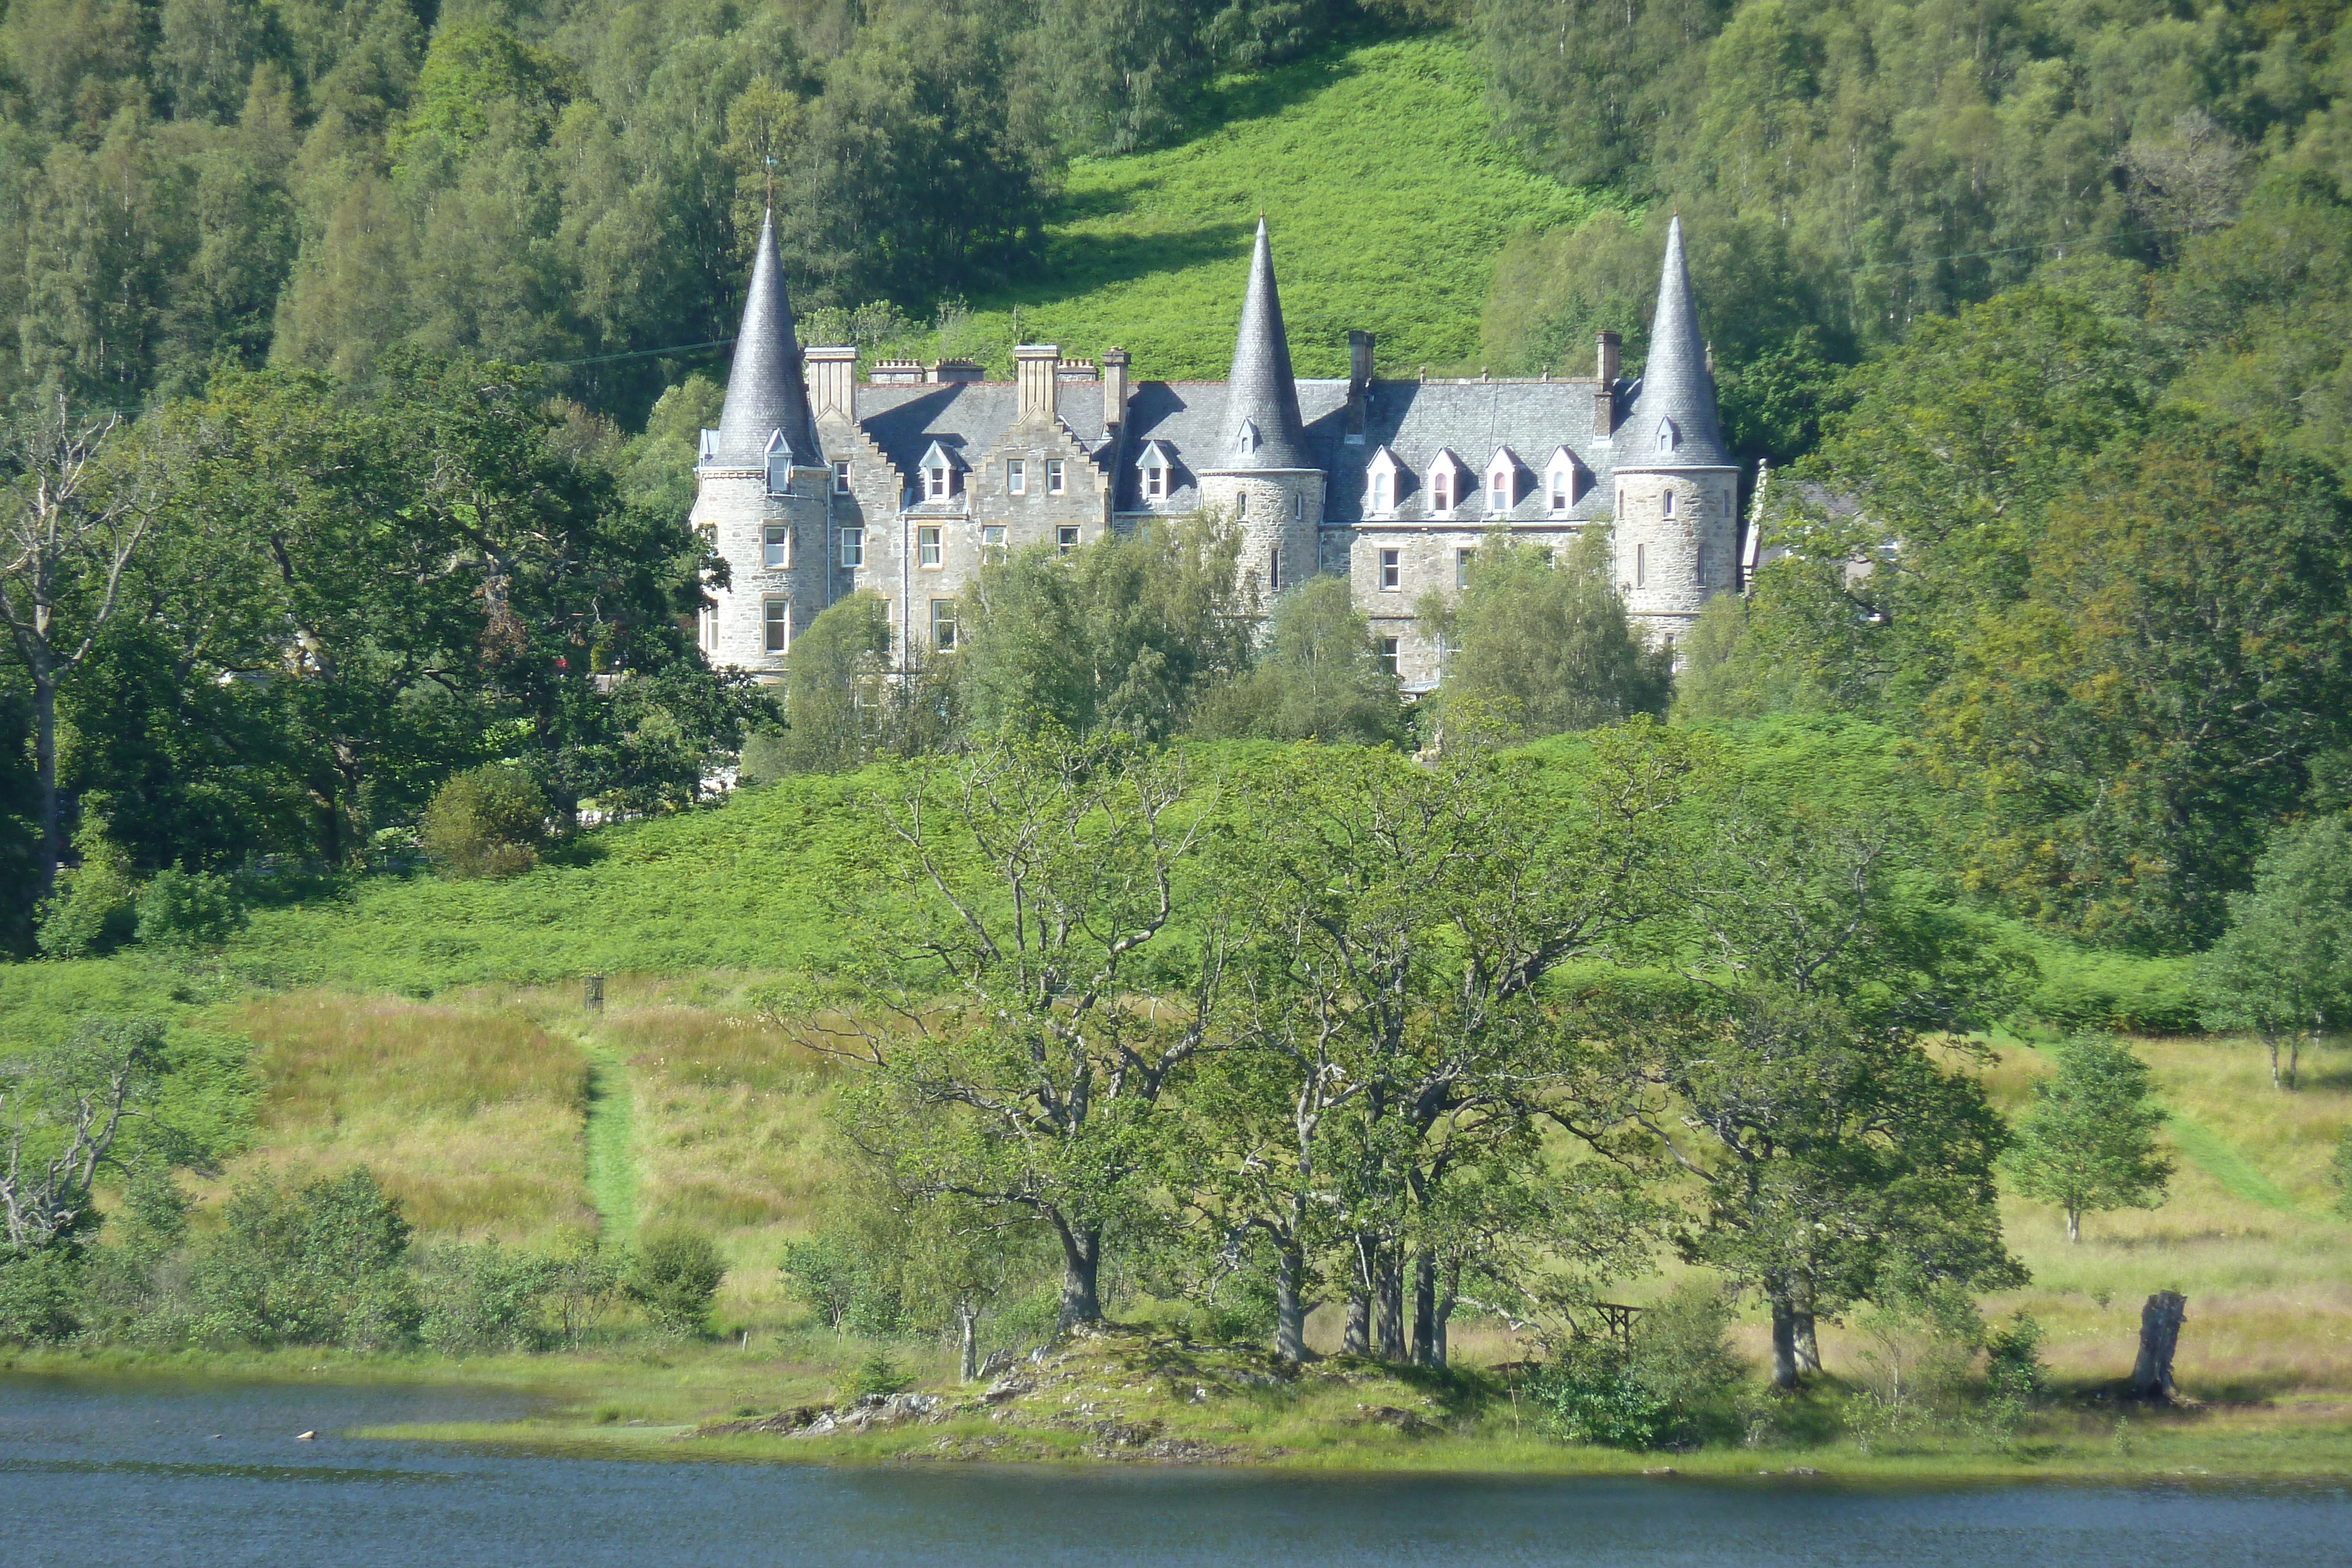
(612, 1171)
(2219, 1158)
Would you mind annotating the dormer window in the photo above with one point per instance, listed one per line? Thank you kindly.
(938, 470)
(1560, 480)
(1158, 468)
(1668, 437)
(1245, 438)
(1387, 478)
(1447, 482)
(1502, 481)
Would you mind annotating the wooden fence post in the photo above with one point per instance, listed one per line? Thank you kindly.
(593, 997)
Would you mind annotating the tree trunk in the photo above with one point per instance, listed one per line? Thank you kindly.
(1445, 1300)
(1081, 1266)
(1808, 1347)
(2294, 1056)
(1784, 1344)
(2159, 1335)
(2275, 1073)
(1289, 1310)
(1357, 1339)
(967, 1320)
(2074, 1222)
(1391, 1304)
(1424, 1311)
(44, 779)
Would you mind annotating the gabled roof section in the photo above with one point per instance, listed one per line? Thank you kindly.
(766, 391)
(1155, 455)
(939, 455)
(1674, 422)
(1263, 430)
(1506, 459)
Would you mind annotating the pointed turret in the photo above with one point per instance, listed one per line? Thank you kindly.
(1674, 423)
(765, 390)
(1262, 427)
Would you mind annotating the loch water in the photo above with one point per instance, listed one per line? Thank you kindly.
(95, 1473)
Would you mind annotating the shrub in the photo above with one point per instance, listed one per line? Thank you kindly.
(188, 909)
(488, 822)
(2339, 1169)
(485, 1299)
(38, 1291)
(1671, 1385)
(94, 909)
(674, 1275)
(878, 1373)
(325, 1263)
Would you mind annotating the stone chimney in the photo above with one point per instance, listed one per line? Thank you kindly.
(1033, 367)
(1114, 375)
(831, 373)
(1360, 383)
(1604, 397)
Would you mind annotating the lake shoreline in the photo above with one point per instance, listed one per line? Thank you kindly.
(650, 1408)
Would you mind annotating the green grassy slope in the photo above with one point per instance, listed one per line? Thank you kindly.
(1388, 200)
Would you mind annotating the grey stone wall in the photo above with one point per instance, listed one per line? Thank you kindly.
(1283, 517)
(733, 506)
(1667, 568)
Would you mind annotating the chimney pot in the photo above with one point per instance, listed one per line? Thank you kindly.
(1035, 365)
(832, 373)
(1114, 375)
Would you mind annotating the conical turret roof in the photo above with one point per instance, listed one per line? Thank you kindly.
(765, 389)
(1262, 427)
(1674, 423)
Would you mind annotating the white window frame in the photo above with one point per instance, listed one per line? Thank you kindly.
(1155, 484)
(935, 483)
(1498, 490)
(775, 626)
(1667, 503)
(1389, 649)
(841, 478)
(1383, 492)
(1441, 490)
(1241, 505)
(1640, 566)
(992, 541)
(776, 547)
(1463, 557)
(929, 549)
(853, 548)
(1391, 571)
(943, 614)
(1057, 476)
(1016, 477)
(1065, 537)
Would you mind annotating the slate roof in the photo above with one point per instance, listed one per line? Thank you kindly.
(1414, 420)
(1675, 388)
(966, 417)
(766, 389)
(1262, 393)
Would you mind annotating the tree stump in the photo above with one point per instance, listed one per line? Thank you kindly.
(2159, 1333)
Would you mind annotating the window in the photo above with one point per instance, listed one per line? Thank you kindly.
(935, 483)
(1016, 477)
(777, 618)
(853, 547)
(1462, 559)
(1053, 476)
(927, 546)
(1498, 491)
(841, 478)
(706, 629)
(1640, 566)
(1066, 538)
(1155, 484)
(1298, 507)
(1441, 491)
(1273, 568)
(1388, 656)
(776, 547)
(1669, 504)
(943, 624)
(1241, 505)
(992, 541)
(1381, 493)
(1392, 570)
(1699, 568)
(1559, 491)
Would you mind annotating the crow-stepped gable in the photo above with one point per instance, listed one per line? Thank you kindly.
(815, 485)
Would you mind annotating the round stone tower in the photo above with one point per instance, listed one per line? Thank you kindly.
(1261, 474)
(1677, 502)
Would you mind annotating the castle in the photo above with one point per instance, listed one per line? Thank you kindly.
(816, 485)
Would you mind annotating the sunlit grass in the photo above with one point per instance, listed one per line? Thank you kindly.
(471, 1118)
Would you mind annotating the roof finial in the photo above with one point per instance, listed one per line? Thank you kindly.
(765, 391)
(1677, 387)
(1263, 394)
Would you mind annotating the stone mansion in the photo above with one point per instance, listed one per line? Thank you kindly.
(818, 484)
